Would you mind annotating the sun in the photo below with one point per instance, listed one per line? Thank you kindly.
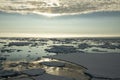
(50, 15)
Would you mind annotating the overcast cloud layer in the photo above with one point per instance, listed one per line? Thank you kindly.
(58, 7)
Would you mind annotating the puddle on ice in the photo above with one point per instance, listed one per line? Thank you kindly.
(69, 70)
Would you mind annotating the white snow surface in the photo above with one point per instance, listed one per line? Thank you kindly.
(104, 65)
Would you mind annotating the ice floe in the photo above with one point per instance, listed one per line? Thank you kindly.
(23, 79)
(51, 77)
(34, 72)
(53, 64)
(8, 73)
(98, 65)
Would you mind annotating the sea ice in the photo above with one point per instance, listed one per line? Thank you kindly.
(8, 73)
(98, 65)
(51, 77)
(53, 64)
(34, 72)
(23, 79)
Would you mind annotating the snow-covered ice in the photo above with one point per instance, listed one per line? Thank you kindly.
(98, 65)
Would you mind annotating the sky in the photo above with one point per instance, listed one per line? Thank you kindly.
(27, 23)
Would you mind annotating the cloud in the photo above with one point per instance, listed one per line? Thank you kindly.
(58, 7)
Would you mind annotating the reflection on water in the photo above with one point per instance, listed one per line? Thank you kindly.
(70, 70)
(32, 48)
(27, 53)
(79, 75)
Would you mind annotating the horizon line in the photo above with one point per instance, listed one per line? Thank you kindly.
(53, 35)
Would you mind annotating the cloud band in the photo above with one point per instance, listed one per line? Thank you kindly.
(58, 7)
